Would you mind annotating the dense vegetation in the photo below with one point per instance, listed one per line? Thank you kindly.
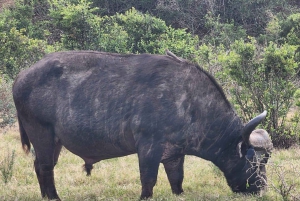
(251, 47)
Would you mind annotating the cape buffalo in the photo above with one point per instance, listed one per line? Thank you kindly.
(103, 105)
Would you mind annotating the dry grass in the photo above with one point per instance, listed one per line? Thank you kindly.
(118, 179)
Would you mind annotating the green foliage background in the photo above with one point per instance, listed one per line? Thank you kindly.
(251, 47)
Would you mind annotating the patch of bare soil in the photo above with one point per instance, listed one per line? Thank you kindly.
(5, 3)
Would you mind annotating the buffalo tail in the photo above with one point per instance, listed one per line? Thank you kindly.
(24, 138)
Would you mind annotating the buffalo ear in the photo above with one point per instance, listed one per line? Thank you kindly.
(251, 125)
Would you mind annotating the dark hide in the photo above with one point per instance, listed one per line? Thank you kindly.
(101, 106)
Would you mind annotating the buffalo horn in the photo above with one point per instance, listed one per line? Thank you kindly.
(251, 125)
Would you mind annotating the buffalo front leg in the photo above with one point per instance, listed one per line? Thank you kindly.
(174, 170)
(149, 159)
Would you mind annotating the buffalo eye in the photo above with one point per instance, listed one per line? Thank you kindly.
(250, 153)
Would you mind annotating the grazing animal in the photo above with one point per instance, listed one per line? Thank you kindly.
(103, 105)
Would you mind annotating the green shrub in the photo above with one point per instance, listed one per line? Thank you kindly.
(76, 20)
(143, 30)
(7, 108)
(222, 33)
(264, 78)
(147, 34)
(291, 29)
(18, 51)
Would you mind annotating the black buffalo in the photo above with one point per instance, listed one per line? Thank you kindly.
(101, 105)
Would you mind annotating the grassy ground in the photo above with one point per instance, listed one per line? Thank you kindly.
(118, 179)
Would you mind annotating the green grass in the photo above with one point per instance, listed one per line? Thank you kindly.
(118, 179)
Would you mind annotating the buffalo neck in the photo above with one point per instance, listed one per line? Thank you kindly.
(217, 138)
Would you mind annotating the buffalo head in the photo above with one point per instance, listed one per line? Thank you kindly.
(247, 172)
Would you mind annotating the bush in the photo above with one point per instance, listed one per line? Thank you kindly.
(222, 33)
(18, 51)
(291, 29)
(7, 108)
(264, 78)
(147, 34)
(132, 31)
(143, 30)
(76, 22)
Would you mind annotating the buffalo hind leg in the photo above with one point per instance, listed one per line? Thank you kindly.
(46, 159)
(174, 170)
(38, 174)
(45, 177)
(149, 160)
(38, 171)
(57, 150)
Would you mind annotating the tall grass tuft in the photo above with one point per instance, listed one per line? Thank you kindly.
(6, 166)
